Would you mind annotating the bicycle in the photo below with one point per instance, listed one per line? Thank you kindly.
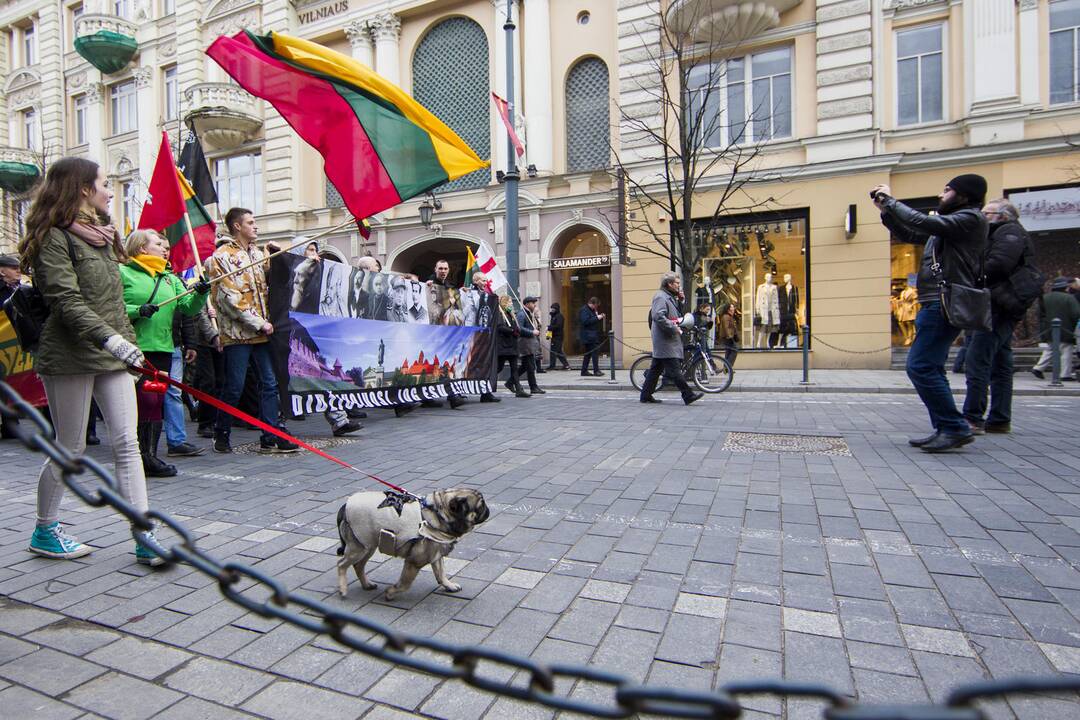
(707, 369)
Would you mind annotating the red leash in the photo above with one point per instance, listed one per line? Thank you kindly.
(153, 374)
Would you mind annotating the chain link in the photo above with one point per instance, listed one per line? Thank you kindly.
(851, 352)
(480, 667)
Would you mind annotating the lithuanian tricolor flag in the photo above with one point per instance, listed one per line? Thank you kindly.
(202, 226)
(169, 201)
(379, 146)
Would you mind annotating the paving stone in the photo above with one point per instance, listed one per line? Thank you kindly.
(306, 663)
(882, 658)
(879, 687)
(11, 648)
(703, 605)
(50, 672)
(193, 708)
(942, 673)
(1065, 658)
(690, 640)
(811, 623)
(456, 701)
(287, 700)
(403, 688)
(20, 702)
(936, 640)
(585, 621)
(1006, 657)
(144, 659)
(225, 683)
(17, 619)
(605, 590)
(1047, 622)
(125, 698)
(817, 659)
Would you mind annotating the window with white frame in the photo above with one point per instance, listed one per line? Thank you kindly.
(171, 89)
(29, 45)
(741, 99)
(127, 206)
(20, 209)
(122, 105)
(168, 7)
(239, 182)
(919, 75)
(81, 105)
(123, 8)
(31, 130)
(1064, 44)
(75, 12)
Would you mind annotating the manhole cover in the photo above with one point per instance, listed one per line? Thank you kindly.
(322, 443)
(800, 444)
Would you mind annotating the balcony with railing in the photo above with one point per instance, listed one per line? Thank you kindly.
(19, 168)
(106, 41)
(224, 114)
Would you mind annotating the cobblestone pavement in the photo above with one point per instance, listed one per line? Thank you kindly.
(650, 540)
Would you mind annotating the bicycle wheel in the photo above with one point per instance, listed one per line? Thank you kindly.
(637, 371)
(711, 373)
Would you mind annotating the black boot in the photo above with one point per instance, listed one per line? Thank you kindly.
(91, 429)
(154, 466)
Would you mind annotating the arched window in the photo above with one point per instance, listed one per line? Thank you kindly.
(587, 123)
(450, 78)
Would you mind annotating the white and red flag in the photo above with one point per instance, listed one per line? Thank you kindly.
(504, 112)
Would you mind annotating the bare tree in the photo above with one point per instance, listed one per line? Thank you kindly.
(690, 130)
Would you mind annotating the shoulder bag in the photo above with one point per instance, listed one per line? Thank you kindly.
(28, 311)
(1014, 295)
(965, 307)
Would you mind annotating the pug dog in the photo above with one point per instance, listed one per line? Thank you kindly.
(398, 526)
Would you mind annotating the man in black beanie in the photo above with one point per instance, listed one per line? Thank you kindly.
(956, 238)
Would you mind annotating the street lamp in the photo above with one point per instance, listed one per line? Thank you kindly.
(430, 204)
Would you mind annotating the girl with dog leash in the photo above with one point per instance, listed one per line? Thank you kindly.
(87, 343)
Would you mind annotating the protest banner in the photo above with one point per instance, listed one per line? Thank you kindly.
(17, 367)
(349, 338)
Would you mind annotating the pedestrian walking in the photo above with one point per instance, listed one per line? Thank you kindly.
(590, 323)
(87, 343)
(1058, 304)
(729, 336)
(241, 304)
(528, 343)
(955, 240)
(148, 282)
(507, 333)
(556, 327)
(988, 362)
(667, 343)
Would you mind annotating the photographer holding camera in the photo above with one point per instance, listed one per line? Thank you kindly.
(955, 240)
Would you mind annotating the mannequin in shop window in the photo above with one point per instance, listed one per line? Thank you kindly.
(788, 296)
(907, 307)
(767, 313)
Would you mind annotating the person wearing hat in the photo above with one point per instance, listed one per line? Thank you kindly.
(1058, 304)
(556, 328)
(10, 277)
(956, 237)
(529, 342)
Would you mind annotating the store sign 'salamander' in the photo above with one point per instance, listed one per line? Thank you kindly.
(581, 262)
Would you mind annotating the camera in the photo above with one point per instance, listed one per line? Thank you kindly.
(874, 194)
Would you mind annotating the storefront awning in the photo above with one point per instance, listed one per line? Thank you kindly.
(1042, 210)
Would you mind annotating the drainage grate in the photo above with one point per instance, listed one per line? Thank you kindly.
(322, 443)
(800, 444)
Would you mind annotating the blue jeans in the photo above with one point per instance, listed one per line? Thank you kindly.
(926, 369)
(175, 434)
(237, 358)
(989, 366)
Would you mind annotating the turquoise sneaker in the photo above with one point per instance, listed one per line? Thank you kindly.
(52, 541)
(146, 556)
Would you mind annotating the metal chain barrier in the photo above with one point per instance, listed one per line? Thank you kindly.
(475, 665)
(851, 352)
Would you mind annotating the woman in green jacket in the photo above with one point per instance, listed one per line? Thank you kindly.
(149, 282)
(72, 254)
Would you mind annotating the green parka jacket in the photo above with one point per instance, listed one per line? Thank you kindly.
(154, 334)
(86, 305)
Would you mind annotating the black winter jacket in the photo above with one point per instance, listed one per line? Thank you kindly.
(506, 334)
(959, 239)
(1009, 243)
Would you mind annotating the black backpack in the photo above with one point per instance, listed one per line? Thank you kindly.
(1013, 296)
(28, 311)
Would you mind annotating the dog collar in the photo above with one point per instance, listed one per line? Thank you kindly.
(436, 535)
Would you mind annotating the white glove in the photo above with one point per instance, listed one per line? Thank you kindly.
(124, 351)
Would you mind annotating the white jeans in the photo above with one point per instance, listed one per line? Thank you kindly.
(1046, 359)
(69, 404)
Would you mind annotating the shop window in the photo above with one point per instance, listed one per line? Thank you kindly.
(1064, 66)
(587, 121)
(239, 182)
(919, 77)
(761, 265)
(753, 92)
(457, 92)
(905, 260)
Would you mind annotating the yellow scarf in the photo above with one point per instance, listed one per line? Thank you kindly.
(151, 263)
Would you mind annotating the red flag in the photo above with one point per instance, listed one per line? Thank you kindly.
(165, 201)
(504, 113)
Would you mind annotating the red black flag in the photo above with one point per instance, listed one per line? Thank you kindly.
(193, 165)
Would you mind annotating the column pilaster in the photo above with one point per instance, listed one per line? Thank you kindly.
(387, 31)
(1029, 52)
(363, 47)
(538, 91)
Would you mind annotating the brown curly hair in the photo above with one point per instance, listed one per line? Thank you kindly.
(57, 203)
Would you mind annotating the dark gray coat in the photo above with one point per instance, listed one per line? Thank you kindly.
(666, 338)
(529, 342)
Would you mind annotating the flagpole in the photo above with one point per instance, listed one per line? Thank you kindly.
(194, 245)
(512, 175)
(287, 248)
